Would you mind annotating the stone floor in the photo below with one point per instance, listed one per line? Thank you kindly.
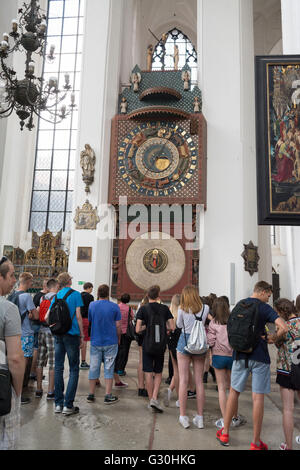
(129, 425)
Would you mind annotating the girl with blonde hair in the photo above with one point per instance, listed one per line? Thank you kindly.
(191, 306)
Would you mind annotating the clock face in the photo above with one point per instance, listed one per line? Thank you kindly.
(157, 158)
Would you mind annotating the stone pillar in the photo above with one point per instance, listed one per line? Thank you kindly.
(98, 104)
(290, 12)
(226, 72)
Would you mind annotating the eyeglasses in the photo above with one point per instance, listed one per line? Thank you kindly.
(3, 260)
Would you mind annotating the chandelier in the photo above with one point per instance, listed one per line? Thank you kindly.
(32, 95)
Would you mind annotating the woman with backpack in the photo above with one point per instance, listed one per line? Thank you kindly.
(222, 360)
(191, 307)
(286, 378)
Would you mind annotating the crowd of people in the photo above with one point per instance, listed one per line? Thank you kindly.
(28, 345)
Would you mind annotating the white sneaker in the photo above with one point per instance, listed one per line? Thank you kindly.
(298, 439)
(177, 404)
(220, 423)
(184, 421)
(156, 406)
(167, 397)
(58, 409)
(198, 421)
(238, 421)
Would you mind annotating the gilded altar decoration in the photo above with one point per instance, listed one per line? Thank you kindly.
(44, 259)
(87, 163)
(86, 218)
(251, 258)
(155, 261)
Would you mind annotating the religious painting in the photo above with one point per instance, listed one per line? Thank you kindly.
(84, 254)
(8, 251)
(278, 139)
(155, 260)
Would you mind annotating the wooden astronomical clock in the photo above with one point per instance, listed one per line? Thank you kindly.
(158, 156)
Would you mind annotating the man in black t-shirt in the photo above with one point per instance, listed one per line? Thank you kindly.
(153, 364)
(87, 298)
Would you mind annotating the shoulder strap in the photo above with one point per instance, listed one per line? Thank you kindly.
(67, 294)
(129, 316)
(202, 313)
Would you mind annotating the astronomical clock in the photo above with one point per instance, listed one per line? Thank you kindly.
(158, 157)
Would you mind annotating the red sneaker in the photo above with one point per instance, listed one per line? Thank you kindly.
(222, 438)
(262, 446)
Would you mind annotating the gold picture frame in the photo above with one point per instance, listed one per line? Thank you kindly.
(84, 254)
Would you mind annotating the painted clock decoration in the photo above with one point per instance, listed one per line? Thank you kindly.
(158, 156)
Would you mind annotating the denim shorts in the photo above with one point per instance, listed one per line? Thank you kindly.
(106, 354)
(182, 342)
(222, 362)
(261, 376)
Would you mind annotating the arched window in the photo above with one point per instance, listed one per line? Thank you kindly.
(163, 56)
(53, 182)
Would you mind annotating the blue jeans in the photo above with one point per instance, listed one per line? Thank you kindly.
(69, 345)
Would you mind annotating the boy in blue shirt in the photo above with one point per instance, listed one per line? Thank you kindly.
(105, 321)
(69, 344)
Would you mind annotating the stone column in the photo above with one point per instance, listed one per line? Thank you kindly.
(226, 71)
(98, 104)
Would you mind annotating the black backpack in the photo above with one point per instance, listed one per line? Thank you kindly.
(243, 327)
(60, 321)
(155, 339)
(14, 298)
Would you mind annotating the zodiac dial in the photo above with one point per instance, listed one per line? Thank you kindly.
(157, 158)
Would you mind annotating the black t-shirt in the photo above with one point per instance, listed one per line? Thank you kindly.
(160, 309)
(87, 299)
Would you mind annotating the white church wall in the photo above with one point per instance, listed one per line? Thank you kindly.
(226, 71)
(99, 97)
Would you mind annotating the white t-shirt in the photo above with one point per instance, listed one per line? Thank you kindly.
(186, 320)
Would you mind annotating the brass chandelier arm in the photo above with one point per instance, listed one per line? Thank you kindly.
(8, 110)
(31, 95)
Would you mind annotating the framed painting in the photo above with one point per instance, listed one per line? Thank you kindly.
(84, 254)
(278, 139)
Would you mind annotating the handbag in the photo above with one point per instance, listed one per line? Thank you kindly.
(5, 390)
(197, 342)
(130, 332)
